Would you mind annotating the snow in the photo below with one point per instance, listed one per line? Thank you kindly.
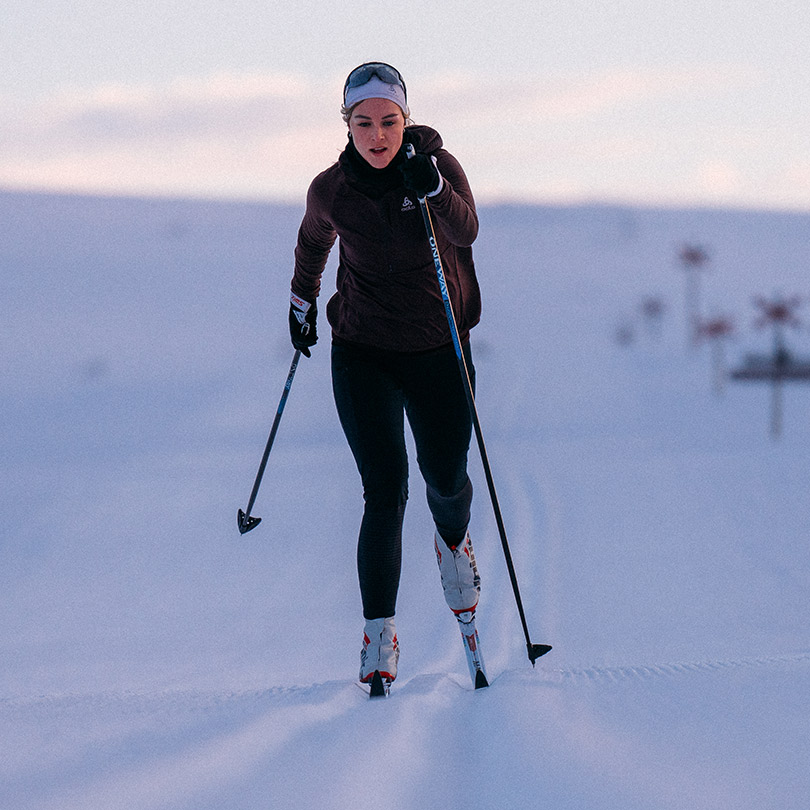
(152, 657)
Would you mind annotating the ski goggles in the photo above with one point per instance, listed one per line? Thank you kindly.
(364, 73)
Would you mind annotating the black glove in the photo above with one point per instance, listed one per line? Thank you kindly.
(303, 332)
(420, 175)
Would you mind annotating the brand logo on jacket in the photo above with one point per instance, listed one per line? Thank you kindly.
(407, 205)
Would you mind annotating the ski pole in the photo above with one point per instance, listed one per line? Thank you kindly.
(534, 650)
(245, 520)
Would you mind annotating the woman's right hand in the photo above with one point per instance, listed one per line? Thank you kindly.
(303, 329)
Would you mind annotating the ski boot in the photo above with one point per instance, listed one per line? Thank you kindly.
(379, 656)
(459, 573)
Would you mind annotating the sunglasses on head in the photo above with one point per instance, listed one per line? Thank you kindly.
(364, 73)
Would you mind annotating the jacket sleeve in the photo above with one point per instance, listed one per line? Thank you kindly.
(316, 236)
(453, 208)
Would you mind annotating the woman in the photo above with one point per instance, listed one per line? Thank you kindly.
(392, 352)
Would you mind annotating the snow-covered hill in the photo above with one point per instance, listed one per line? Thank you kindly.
(152, 657)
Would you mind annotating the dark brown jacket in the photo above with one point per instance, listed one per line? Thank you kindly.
(387, 289)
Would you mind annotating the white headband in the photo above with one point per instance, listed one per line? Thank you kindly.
(375, 88)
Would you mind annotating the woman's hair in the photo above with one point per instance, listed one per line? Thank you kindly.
(346, 114)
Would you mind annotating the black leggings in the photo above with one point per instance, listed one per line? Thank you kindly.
(373, 391)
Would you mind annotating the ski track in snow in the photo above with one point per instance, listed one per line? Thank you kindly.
(153, 762)
(188, 749)
(651, 671)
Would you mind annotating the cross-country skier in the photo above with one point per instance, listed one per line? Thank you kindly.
(392, 353)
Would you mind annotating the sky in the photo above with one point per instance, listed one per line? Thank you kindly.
(696, 102)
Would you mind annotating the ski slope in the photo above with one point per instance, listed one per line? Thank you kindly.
(154, 658)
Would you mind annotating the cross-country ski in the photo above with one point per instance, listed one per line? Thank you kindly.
(472, 650)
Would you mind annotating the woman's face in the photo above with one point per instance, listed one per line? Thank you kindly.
(377, 126)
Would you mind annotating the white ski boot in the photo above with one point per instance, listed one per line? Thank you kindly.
(380, 652)
(460, 580)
